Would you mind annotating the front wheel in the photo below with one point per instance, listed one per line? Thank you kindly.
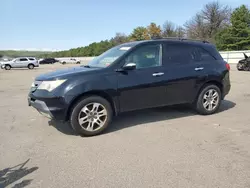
(209, 100)
(239, 67)
(7, 67)
(91, 116)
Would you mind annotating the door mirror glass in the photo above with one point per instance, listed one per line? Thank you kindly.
(129, 66)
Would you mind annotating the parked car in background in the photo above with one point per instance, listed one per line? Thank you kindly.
(133, 76)
(244, 64)
(21, 62)
(71, 60)
(48, 61)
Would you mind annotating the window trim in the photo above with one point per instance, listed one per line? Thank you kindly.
(148, 44)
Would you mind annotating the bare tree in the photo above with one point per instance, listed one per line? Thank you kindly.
(205, 24)
(119, 38)
(169, 29)
(196, 28)
(180, 32)
(215, 16)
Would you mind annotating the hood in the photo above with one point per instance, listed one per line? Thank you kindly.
(64, 73)
(6, 62)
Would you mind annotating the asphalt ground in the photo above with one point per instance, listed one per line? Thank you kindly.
(163, 147)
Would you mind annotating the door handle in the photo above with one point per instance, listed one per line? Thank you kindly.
(198, 68)
(158, 74)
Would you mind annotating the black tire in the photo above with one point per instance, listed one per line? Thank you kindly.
(238, 67)
(7, 67)
(78, 62)
(64, 63)
(31, 66)
(78, 107)
(199, 107)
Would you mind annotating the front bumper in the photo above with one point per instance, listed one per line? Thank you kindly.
(52, 108)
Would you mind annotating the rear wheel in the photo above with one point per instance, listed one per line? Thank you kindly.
(7, 67)
(31, 66)
(209, 100)
(91, 116)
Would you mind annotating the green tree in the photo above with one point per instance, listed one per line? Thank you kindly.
(140, 33)
(154, 30)
(237, 35)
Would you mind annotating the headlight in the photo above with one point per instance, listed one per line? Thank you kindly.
(50, 85)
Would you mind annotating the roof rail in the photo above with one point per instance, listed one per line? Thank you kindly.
(180, 38)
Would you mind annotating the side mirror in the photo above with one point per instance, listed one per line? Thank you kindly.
(129, 66)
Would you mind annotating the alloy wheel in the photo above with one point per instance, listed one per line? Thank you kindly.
(210, 100)
(92, 117)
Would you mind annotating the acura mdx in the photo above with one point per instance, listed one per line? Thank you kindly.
(132, 76)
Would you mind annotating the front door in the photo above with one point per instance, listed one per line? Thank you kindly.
(20, 62)
(142, 87)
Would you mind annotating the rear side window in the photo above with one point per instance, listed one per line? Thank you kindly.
(23, 59)
(204, 55)
(185, 53)
(31, 59)
(177, 53)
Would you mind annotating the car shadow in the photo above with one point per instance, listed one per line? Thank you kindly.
(63, 127)
(15, 173)
(130, 119)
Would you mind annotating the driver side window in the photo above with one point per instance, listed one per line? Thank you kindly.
(146, 56)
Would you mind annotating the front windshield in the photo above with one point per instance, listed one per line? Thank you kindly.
(108, 57)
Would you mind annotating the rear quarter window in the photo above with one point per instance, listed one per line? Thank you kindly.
(31, 59)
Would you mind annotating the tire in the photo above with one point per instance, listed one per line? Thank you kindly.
(238, 67)
(64, 63)
(86, 103)
(78, 62)
(31, 66)
(7, 67)
(201, 106)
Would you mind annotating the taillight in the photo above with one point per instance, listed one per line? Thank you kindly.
(228, 66)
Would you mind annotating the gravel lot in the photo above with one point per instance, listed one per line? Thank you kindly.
(165, 147)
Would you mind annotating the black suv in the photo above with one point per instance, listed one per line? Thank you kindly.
(48, 61)
(132, 76)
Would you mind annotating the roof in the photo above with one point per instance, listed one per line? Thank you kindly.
(170, 39)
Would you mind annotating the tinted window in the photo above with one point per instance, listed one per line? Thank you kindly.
(178, 53)
(184, 53)
(146, 56)
(32, 59)
(204, 55)
(23, 59)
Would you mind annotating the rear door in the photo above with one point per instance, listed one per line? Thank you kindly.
(142, 87)
(185, 71)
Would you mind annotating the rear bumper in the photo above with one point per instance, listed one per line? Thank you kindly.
(226, 85)
(52, 108)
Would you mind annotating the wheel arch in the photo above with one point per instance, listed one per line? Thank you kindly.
(210, 82)
(31, 64)
(91, 93)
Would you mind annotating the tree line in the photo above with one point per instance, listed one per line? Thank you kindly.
(217, 23)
